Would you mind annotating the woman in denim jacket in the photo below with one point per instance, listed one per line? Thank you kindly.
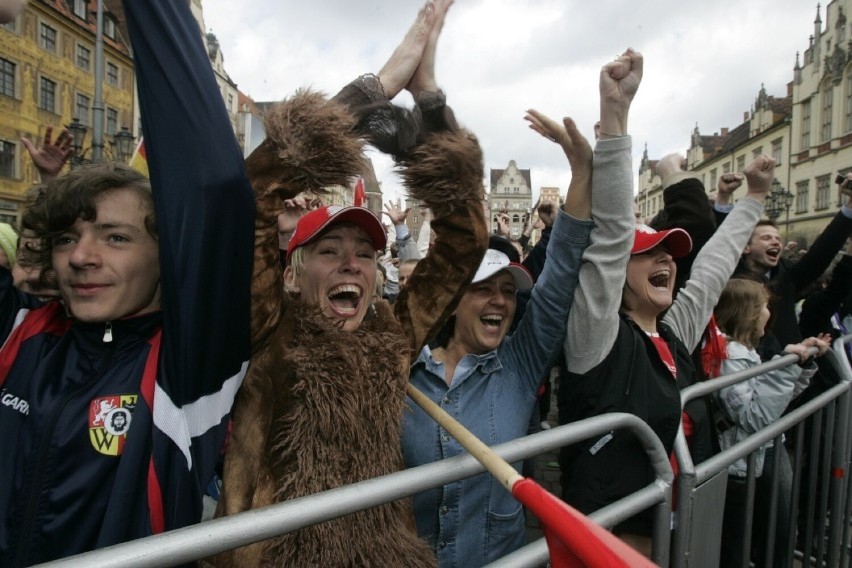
(488, 381)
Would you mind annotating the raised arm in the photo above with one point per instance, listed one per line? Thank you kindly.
(534, 346)
(204, 210)
(50, 157)
(714, 264)
(825, 247)
(821, 305)
(593, 321)
(406, 246)
(443, 171)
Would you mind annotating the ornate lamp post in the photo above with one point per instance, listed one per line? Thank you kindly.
(78, 132)
(779, 200)
(123, 143)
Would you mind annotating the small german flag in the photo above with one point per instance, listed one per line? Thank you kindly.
(139, 160)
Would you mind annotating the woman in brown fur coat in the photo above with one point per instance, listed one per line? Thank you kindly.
(322, 402)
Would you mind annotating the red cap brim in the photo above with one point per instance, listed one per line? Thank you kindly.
(677, 242)
(314, 223)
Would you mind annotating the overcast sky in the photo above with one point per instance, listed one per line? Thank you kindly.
(704, 62)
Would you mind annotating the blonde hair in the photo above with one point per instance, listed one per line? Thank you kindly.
(297, 257)
(297, 261)
(738, 310)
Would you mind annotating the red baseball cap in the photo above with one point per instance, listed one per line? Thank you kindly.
(312, 224)
(677, 241)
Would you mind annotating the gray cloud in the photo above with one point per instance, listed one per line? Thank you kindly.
(704, 62)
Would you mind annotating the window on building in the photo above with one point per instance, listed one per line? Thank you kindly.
(109, 27)
(230, 102)
(516, 190)
(47, 38)
(47, 95)
(516, 219)
(80, 9)
(757, 152)
(84, 56)
(112, 74)
(827, 97)
(740, 163)
(111, 121)
(777, 150)
(11, 26)
(726, 168)
(713, 179)
(82, 109)
(7, 78)
(806, 125)
(802, 196)
(848, 103)
(823, 192)
(7, 159)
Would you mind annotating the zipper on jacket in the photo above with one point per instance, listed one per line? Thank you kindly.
(31, 510)
(108, 332)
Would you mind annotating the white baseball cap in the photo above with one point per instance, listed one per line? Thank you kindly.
(494, 261)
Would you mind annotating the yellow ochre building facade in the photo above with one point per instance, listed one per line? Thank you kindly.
(47, 78)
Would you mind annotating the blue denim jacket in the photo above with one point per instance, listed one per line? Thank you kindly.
(475, 521)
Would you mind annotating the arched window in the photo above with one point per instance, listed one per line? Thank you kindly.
(516, 219)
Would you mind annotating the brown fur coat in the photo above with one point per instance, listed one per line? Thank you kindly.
(320, 407)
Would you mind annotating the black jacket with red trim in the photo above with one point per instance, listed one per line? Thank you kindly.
(103, 442)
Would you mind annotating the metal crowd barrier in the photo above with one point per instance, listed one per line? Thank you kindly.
(701, 488)
(201, 540)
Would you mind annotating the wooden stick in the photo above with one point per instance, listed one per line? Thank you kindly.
(497, 466)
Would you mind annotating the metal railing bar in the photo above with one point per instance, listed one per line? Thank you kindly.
(824, 482)
(792, 522)
(771, 520)
(197, 541)
(723, 459)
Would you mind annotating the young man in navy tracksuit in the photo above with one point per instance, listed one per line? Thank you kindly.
(114, 406)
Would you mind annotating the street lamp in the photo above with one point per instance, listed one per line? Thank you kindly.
(123, 142)
(779, 200)
(78, 133)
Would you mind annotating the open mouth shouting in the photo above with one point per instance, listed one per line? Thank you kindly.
(773, 253)
(492, 322)
(345, 299)
(660, 279)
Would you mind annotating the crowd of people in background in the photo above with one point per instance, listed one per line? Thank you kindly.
(217, 339)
